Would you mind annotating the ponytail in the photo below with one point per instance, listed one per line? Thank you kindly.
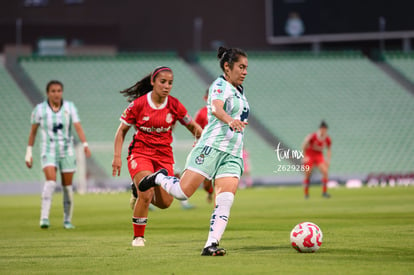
(140, 88)
(229, 55)
(143, 86)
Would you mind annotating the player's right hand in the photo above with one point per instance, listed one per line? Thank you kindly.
(116, 166)
(28, 158)
(29, 163)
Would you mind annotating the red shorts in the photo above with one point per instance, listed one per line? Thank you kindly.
(141, 163)
(313, 159)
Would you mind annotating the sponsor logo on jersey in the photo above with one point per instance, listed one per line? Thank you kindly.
(168, 118)
(218, 91)
(154, 129)
(145, 118)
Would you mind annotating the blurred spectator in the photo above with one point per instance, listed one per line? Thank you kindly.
(294, 25)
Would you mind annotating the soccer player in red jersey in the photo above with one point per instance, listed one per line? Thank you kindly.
(153, 114)
(313, 147)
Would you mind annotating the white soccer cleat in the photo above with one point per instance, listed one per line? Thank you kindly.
(44, 223)
(68, 225)
(138, 241)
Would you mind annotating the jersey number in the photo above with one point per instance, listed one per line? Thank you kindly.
(206, 150)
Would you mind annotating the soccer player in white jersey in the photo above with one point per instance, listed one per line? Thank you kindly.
(55, 117)
(218, 153)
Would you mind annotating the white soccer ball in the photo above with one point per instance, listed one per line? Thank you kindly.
(306, 237)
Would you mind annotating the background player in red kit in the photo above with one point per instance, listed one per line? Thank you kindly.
(313, 147)
(153, 113)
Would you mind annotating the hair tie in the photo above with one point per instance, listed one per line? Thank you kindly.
(157, 70)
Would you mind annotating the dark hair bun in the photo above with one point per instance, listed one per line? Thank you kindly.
(220, 52)
(323, 124)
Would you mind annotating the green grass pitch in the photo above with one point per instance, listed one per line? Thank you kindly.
(366, 231)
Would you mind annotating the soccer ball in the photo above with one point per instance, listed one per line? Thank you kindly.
(306, 237)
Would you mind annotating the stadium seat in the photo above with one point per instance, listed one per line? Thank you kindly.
(403, 62)
(14, 132)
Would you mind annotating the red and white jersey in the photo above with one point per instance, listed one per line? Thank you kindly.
(201, 117)
(316, 143)
(154, 126)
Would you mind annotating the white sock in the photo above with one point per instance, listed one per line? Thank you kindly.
(220, 217)
(47, 194)
(171, 185)
(67, 202)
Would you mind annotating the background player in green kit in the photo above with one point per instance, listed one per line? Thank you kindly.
(55, 117)
(218, 153)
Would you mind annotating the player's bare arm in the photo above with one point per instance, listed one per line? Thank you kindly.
(119, 141)
(328, 156)
(218, 111)
(82, 138)
(305, 143)
(195, 129)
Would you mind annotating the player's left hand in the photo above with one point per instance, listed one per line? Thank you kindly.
(237, 125)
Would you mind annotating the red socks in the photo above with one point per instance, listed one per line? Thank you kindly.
(324, 185)
(139, 224)
(306, 187)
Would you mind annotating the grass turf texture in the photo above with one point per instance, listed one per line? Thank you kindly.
(366, 231)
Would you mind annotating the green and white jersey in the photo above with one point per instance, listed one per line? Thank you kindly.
(56, 128)
(218, 134)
